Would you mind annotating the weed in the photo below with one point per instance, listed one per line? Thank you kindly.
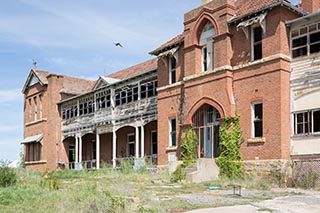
(178, 175)
(8, 176)
(51, 183)
(117, 203)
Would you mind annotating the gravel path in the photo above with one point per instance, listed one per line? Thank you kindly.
(295, 202)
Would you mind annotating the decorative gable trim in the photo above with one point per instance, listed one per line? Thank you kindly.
(32, 79)
(104, 81)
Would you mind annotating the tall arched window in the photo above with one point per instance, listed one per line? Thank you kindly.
(206, 42)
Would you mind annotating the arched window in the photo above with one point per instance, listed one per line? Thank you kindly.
(206, 42)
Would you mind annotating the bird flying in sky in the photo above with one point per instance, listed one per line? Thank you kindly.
(118, 44)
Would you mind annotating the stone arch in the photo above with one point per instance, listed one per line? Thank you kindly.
(200, 103)
(200, 23)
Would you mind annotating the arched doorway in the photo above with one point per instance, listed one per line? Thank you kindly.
(206, 122)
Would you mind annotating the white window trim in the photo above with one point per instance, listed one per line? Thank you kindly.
(252, 41)
(130, 142)
(170, 131)
(253, 119)
(172, 70)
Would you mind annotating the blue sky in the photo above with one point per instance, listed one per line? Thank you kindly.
(75, 37)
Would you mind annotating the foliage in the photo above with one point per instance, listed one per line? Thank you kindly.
(142, 209)
(51, 183)
(179, 174)
(189, 141)
(188, 146)
(307, 179)
(117, 204)
(230, 160)
(8, 176)
(21, 161)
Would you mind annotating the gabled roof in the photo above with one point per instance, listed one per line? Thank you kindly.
(135, 70)
(104, 81)
(35, 76)
(169, 44)
(71, 85)
(245, 8)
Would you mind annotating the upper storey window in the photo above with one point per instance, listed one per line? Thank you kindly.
(305, 40)
(206, 42)
(172, 70)
(256, 43)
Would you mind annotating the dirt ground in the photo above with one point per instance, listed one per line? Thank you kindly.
(296, 201)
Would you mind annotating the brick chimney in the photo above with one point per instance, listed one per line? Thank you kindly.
(310, 6)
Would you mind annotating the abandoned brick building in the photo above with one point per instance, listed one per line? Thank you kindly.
(246, 56)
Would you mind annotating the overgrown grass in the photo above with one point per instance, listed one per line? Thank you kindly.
(108, 190)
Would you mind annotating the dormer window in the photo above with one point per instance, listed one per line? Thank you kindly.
(206, 42)
(172, 70)
(256, 43)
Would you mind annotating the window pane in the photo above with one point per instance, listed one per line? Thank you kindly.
(295, 33)
(143, 91)
(257, 51)
(316, 121)
(312, 28)
(258, 111)
(314, 37)
(303, 30)
(315, 48)
(299, 42)
(258, 129)
(257, 34)
(299, 52)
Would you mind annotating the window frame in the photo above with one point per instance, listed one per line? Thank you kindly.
(256, 43)
(131, 143)
(33, 152)
(304, 31)
(255, 120)
(308, 122)
(172, 132)
(172, 70)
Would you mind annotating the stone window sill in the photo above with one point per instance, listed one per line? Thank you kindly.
(36, 122)
(256, 140)
(171, 149)
(35, 162)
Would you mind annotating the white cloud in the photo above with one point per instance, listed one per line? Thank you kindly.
(11, 95)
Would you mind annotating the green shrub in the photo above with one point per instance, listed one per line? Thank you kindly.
(230, 160)
(189, 141)
(8, 176)
(178, 175)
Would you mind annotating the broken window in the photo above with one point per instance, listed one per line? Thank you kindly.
(108, 100)
(257, 120)
(307, 122)
(130, 145)
(135, 94)
(143, 93)
(305, 40)
(172, 70)
(206, 41)
(172, 132)
(257, 43)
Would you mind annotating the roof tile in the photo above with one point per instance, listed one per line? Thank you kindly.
(135, 70)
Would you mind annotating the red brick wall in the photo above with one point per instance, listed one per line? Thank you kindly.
(311, 6)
